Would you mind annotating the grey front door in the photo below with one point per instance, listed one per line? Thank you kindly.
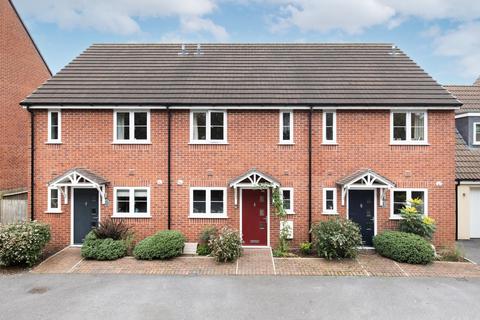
(85, 213)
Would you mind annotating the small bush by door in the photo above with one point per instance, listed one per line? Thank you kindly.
(336, 239)
(109, 241)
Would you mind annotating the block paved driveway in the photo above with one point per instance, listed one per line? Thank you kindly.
(256, 262)
(32, 296)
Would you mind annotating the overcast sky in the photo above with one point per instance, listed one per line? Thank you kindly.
(443, 36)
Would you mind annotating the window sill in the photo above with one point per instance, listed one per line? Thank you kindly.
(208, 143)
(128, 216)
(395, 218)
(53, 211)
(210, 216)
(406, 143)
(290, 212)
(53, 142)
(286, 143)
(330, 213)
(131, 142)
(326, 143)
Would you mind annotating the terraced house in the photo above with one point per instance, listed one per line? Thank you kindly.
(180, 137)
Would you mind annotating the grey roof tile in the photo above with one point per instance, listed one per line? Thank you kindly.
(467, 161)
(468, 95)
(242, 74)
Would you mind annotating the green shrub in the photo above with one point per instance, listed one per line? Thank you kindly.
(203, 249)
(22, 243)
(163, 245)
(208, 233)
(227, 246)
(305, 248)
(336, 239)
(413, 220)
(103, 249)
(112, 229)
(404, 247)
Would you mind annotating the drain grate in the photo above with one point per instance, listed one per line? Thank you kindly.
(38, 290)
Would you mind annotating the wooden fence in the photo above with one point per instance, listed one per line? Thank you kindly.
(13, 208)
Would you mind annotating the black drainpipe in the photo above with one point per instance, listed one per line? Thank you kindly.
(310, 174)
(32, 165)
(169, 115)
(456, 209)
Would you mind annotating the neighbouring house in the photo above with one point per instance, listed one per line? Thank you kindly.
(22, 70)
(467, 120)
(181, 137)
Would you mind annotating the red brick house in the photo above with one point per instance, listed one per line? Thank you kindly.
(165, 137)
(22, 70)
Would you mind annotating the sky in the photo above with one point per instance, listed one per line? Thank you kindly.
(442, 36)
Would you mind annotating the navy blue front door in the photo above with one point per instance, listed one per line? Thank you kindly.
(85, 213)
(361, 209)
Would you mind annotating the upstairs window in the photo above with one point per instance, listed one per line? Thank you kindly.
(208, 127)
(132, 202)
(400, 198)
(53, 200)
(476, 133)
(54, 126)
(329, 127)
(132, 127)
(409, 127)
(286, 127)
(208, 203)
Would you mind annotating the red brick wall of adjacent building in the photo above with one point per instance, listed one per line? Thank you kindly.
(22, 70)
(363, 142)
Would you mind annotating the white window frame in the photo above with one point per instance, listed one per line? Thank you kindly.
(409, 196)
(408, 136)
(208, 139)
(49, 198)
(324, 127)
(289, 141)
(131, 213)
(475, 141)
(50, 140)
(291, 210)
(208, 214)
(132, 139)
(324, 201)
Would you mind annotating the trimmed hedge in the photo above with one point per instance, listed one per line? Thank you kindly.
(404, 247)
(163, 245)
(336, 239)
(103, 249)
(22, 243)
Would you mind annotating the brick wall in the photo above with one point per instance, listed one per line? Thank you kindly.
(363, 141)
(21, 71)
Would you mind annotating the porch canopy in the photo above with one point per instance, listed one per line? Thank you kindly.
(78, 178)
(253, 179)
(365, 179)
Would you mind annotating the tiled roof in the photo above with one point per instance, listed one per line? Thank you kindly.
(468, 95)
(359, 174)
(353, 75)
(467, 161)
(84, 172)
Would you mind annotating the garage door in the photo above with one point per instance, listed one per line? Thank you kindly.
(475, 213)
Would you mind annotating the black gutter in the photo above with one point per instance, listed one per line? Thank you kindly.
(32, 165)
(310, 173)
(169, 116)
(30, 36)
(223, 104)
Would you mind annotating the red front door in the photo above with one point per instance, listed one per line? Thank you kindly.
(254, 217)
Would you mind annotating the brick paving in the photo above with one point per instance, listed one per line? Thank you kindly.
(256, 262)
